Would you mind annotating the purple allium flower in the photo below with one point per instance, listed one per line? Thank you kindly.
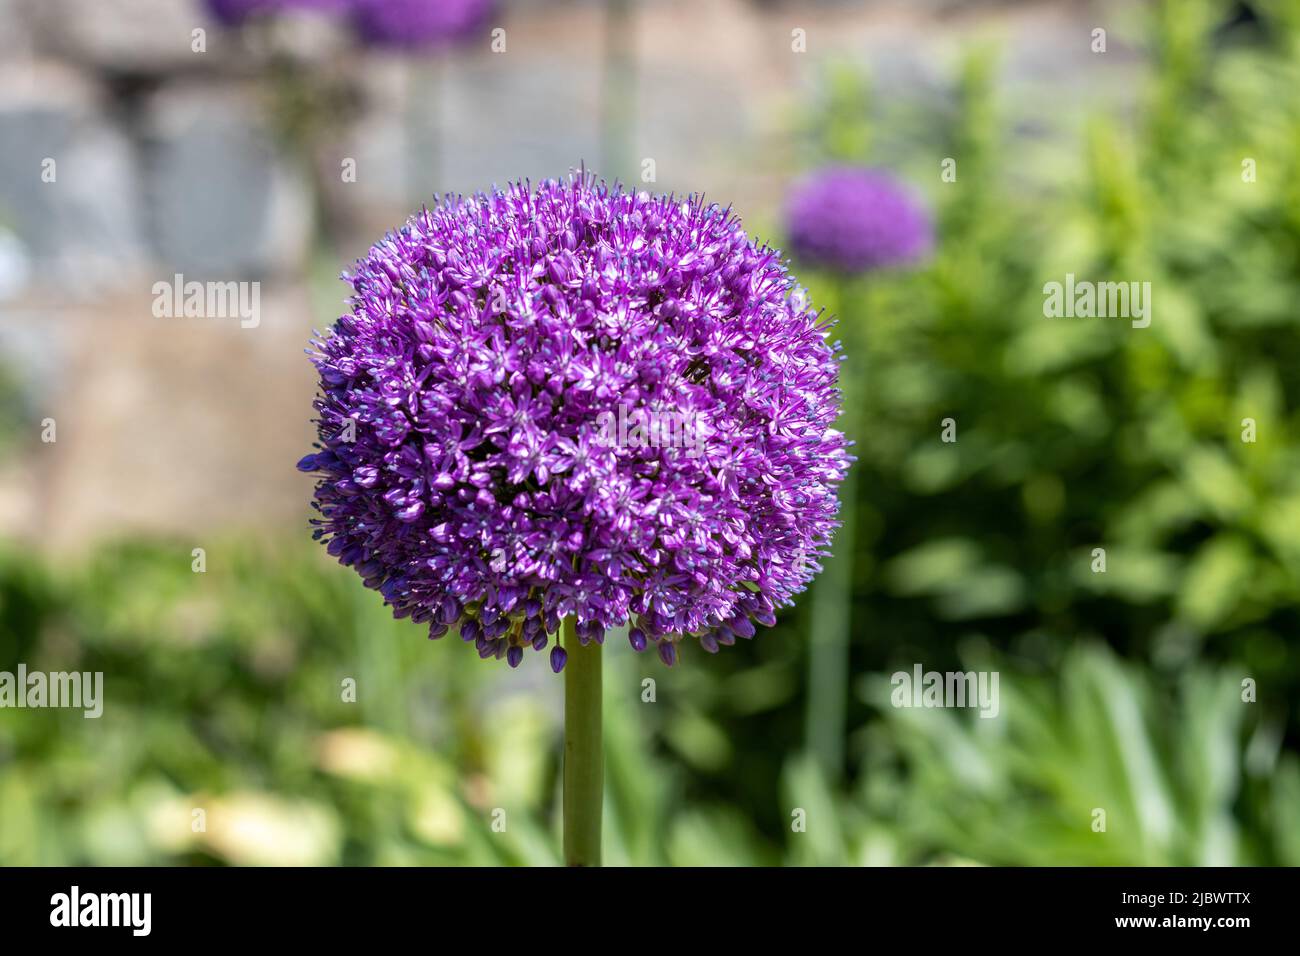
(418, 23)
(855, 220)
(466, 465)
(235, 12)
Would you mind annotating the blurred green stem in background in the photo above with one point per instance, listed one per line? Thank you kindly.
(618, 102)
(828, 667)
(583, 760)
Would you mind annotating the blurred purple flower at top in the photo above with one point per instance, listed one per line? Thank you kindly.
(418, 23)
(234, 12)
(853, 220)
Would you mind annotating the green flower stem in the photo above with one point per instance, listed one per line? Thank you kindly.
(583, 760)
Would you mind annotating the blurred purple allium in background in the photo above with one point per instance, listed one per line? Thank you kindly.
(235, 12)
(409, 24)
(464, 466)
(852, 220)
(418, 23)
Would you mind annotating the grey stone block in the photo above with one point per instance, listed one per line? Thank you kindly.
(68, 186)
(222, 199)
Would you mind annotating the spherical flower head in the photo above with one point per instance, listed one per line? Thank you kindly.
(577, 401)
(418, 23)
(854, 220)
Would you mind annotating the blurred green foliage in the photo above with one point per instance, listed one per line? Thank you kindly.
(225, 693)
(1076, 434)
(1121, 691)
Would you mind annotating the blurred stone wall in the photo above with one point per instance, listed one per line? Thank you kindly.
(128, 156)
